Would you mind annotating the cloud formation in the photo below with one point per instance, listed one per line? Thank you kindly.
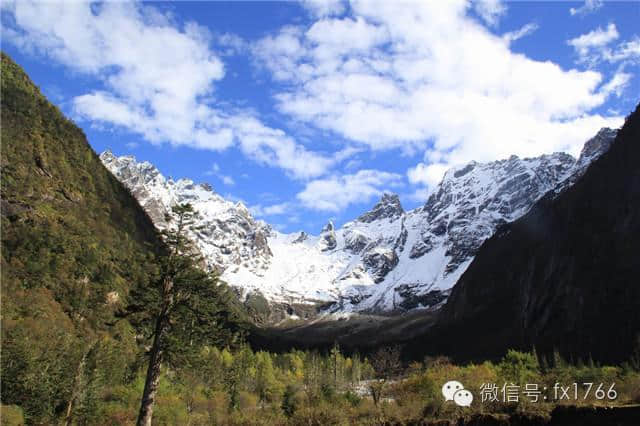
(595, 47)
(594, 39)
(322, 8)
(217, 172)
(490, 10)
(426, 77)
(524, 31)
(588, 7)
(159, 78)
(335, 193)
(271, 210)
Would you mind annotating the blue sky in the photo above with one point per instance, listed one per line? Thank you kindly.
(309, 111)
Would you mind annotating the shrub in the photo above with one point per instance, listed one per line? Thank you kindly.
(519, 367)
(290, 401)
(352, 398)
(247, 401)
(11, 415)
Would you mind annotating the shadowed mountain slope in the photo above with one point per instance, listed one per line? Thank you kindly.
(565, 276)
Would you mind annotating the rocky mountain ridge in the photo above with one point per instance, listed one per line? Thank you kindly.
(227, 234)
(563, 277)
(386, 260)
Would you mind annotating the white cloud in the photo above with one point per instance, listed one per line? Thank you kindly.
(216, 171)
(271, 210)
(335, 193)
(588, 7)
(524, 31)
(595, 46)
(490, 10)
(427, 174)
(271, 146)
(232, 43)
(594, 39)
(159, 78)
(617, 84)
(322, 8)
(627, 51)
(420, 194)
(426, 77)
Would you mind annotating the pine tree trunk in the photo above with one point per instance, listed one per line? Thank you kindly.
(155, 359)
(77, 384)
(153, 376)
(76, 390)
(335, 369)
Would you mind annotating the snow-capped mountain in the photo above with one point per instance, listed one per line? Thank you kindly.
(387, 259)
(227, 234)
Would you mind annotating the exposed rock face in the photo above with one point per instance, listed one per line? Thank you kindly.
(387, 259)
(564, 276)
(356, 241)
(421, 247)
(388, 207)
(595, 146)
(380, 262)
(228, 236)
(410, 298)
(435, 244)
(302, 237)
(592, 149)
(472, 201)
(328, 237)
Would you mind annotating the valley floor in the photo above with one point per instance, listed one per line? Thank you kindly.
(353, 332)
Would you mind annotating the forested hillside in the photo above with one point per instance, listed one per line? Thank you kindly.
(74, 243)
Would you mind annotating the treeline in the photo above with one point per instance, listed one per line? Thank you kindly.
(237, 386)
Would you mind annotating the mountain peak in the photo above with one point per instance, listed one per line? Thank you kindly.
(107, 155)
(598, 144)
(206, 186)
(227, 235)
(240, 206)
(352, 265)
(328, 227)
(388, 207)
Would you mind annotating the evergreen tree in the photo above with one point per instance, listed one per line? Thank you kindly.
(267, 387)
(289, 401)
(192, 309)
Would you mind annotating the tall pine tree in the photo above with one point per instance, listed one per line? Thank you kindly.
(192, 308)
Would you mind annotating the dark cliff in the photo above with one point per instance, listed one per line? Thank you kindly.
(566, 276)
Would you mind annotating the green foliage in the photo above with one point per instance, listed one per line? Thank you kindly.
(189, 310)
(200, 309)
(519, 367)
(352, 398)
(290, 400)
(74, 243)
(257, 307)
(11, 415)
(267, 387)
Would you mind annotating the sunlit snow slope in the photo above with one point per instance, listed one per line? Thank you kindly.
(387, 259)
